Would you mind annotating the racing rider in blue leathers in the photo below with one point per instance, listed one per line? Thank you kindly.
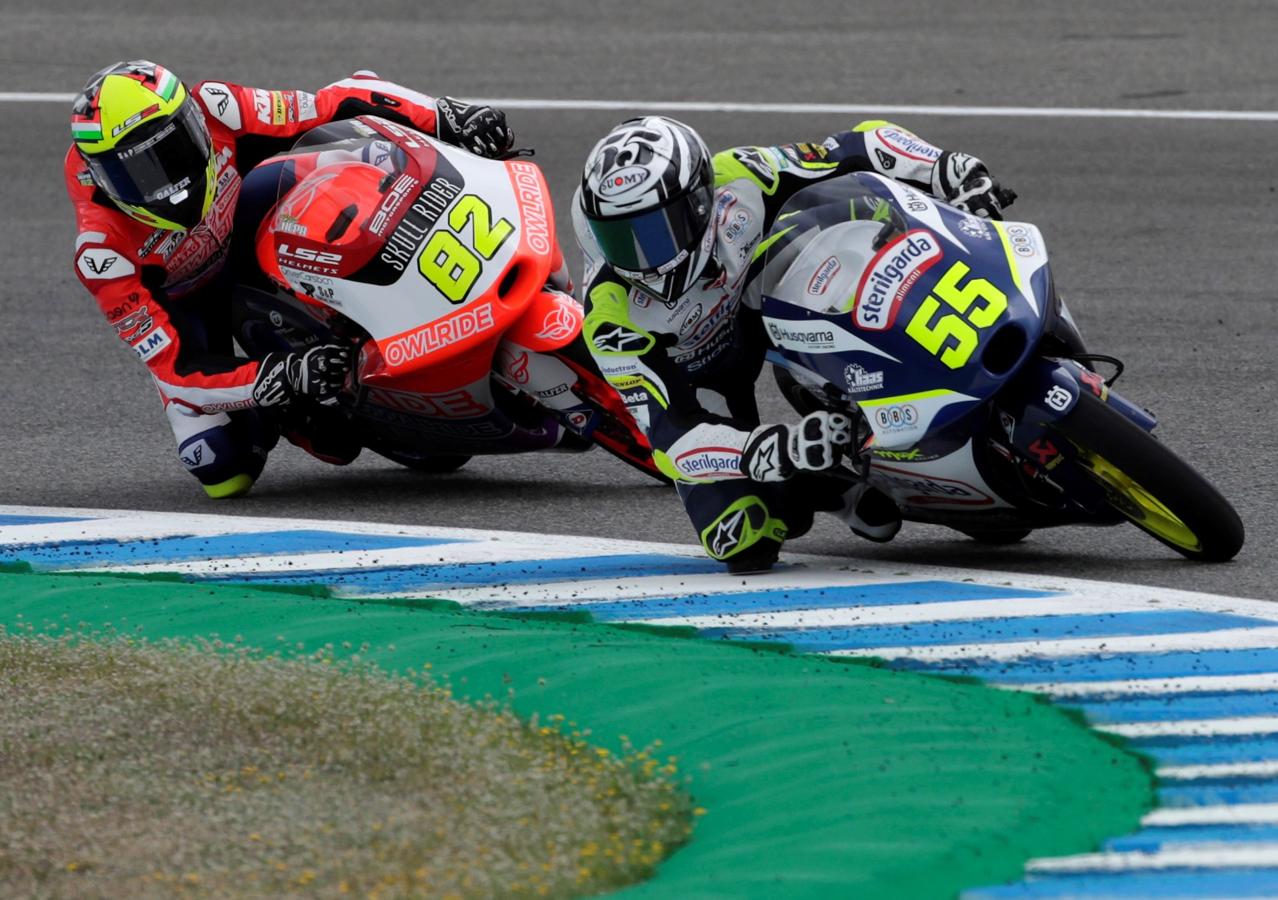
(673, 240)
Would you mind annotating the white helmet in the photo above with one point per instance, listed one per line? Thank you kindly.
(648, 195)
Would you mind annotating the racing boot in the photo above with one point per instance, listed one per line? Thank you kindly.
(328, 438)
(870, 513)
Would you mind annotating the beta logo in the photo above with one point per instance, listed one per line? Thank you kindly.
(890, 276)
(622, 180)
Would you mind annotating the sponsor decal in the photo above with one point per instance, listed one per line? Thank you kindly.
(887, 162)
(758, 165)
(821, 277)
(434, 335)
(913, 455)
(619, 340)
(727, 535)
(104, 264)
(218, 100)
(975, 228)
(306, 106)
(198, 454)
(622, 180)
(906, 144)
(932, 490)
(135, 119)
(1058, 398)
(553, 392)
(691, 320)
(562, 322)
(433, 201)
(262, 106)
(534, 209)
(154, 238)
(636, 397)
(860, 379)
(136, 323)
(1023, 241)
(289, 225)
(1043, 450)
(578, 420)
(1095, 382)
(309, 260)
(736, 226)
(890, 276)
(722, 462)
(516, 366)
(450, 405)
(400, 190)
(279, 108)
(801, 336)
(900, 417)
(316, 291)
(151, 343)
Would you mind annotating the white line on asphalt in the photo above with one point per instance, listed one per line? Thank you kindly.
(1235, 725)
(1256, 769)
(1234, 814)
(1216, 855)
(835, 109)
(1150, 687)
(1224, 639)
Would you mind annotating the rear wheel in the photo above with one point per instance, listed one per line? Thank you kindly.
(1150, 485)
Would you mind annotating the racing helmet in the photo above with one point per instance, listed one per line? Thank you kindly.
(648, 195)
(146, 144)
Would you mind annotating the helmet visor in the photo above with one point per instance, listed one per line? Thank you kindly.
(161, 160)
(648, 241)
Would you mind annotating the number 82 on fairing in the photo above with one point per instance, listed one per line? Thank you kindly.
(451, 266)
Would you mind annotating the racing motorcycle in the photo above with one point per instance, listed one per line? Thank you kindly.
(443, 269)
(978, 404)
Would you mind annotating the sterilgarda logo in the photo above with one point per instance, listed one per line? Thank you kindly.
(889, 277)
(710, 462)
(820, 279)
(907, 144)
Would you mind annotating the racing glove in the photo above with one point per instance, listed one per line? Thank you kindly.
(480, 129)
(318, 374)
(964, 181)
(777, 452)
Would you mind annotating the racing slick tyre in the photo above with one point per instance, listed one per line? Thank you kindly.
(1151, 486)
(433, 463)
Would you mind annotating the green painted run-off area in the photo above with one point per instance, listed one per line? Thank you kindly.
(819, 779)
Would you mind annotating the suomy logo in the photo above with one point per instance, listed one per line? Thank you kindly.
(622, 180)
(890, 276)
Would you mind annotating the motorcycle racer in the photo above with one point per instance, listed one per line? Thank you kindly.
(155, 172)
(673, 240)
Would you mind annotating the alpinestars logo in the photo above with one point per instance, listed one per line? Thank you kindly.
(727, 535)
(618, 340)
(763, 461)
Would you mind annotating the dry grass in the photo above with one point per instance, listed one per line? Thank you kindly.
(155, 770)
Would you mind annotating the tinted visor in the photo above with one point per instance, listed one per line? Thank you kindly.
(646, 241)
(160, 159)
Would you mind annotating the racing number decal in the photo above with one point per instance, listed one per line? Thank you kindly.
(451, 266)
(962, 325)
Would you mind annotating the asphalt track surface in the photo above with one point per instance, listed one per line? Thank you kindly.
(1162, 232)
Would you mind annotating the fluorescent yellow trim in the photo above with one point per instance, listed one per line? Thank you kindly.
(630, 382)
(870, 125)
(907, 398)
(1011, 259)
(768, 242)
(232, 487)
(122, 99)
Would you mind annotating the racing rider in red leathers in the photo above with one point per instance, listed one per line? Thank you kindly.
(155, 173)
(674, 240)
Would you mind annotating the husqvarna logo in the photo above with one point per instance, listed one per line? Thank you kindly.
(890, 276)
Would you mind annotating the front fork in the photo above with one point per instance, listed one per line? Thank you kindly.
(1030, 413)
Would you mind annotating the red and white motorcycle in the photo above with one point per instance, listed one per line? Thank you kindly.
(442, 268)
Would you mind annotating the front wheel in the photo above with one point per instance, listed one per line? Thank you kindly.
(1151, 486)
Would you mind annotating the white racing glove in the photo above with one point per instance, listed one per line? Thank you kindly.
(965, 182)
(816, 443)
(318, 374)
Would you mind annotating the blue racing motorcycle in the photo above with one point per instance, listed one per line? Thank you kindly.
(979, 406)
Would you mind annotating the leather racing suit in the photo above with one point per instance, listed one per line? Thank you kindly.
(686, 368)
(166, 293)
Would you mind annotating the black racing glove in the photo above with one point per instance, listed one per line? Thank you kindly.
(480, 129)
(964, 181)
(317, 374)
(777, 452)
